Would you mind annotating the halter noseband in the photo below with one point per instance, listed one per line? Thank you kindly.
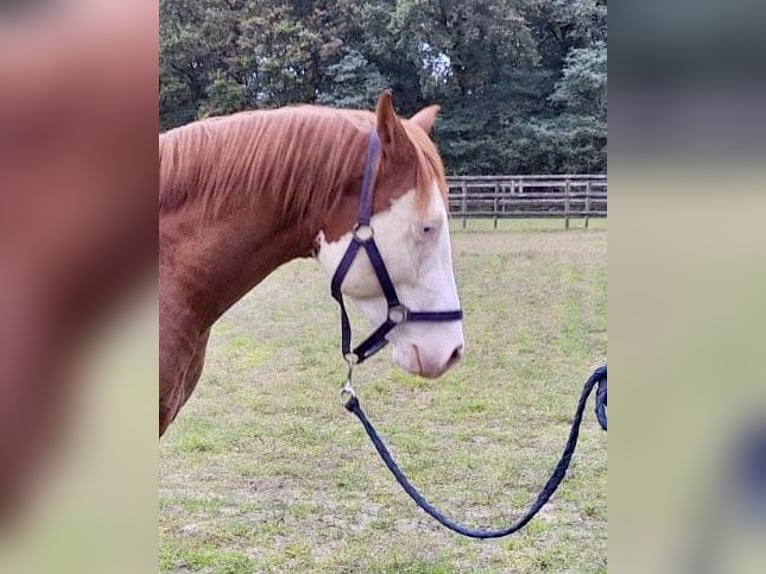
(363, 236)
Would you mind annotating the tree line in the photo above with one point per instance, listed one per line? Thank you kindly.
(522, 83)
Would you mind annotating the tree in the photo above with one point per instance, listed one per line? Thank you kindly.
(522, 83)
(353, 83)
(582, 87)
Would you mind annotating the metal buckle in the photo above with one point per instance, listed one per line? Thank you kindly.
(363, 233)
(398, 313)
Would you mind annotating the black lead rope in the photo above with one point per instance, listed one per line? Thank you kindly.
(597, 378)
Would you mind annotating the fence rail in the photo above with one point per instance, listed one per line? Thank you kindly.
(527, 196)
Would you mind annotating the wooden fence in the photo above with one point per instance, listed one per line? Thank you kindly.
(526, 196)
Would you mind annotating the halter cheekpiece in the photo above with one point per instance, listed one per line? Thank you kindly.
(364, 236)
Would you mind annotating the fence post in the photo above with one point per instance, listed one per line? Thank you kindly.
(587, 203)
(464, 201)
(567, 189)
(497, 193)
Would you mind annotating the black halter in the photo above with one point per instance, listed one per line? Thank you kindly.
(364, 237)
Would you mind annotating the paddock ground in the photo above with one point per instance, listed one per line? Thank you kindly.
(265, 472)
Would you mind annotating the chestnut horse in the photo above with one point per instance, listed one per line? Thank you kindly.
(243, 194)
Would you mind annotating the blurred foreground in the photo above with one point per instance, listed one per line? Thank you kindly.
(78, 189)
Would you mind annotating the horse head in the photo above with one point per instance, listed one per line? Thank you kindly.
(409, 223)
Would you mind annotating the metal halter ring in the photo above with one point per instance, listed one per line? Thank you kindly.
(363, 233)
(347, 394)
(398, 313)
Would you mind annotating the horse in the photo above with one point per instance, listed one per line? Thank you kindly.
(241, 195)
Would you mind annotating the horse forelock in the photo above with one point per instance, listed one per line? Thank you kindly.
(301, 159)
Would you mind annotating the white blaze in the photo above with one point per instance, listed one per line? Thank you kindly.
(417, 253)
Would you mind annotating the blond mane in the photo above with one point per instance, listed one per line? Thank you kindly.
(301, 158)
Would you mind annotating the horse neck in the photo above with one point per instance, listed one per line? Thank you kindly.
(212, 261)
(207, 266)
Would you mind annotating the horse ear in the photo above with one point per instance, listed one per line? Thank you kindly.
(426, 118)
(390, 128)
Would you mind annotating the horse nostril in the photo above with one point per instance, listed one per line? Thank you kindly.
(457, 354)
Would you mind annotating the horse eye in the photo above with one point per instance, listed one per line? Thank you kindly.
(428, 229)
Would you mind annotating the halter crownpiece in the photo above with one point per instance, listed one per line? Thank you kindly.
(364, 236)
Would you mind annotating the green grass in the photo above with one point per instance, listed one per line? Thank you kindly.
(264, 472)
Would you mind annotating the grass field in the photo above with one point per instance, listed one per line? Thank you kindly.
(265, 472)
